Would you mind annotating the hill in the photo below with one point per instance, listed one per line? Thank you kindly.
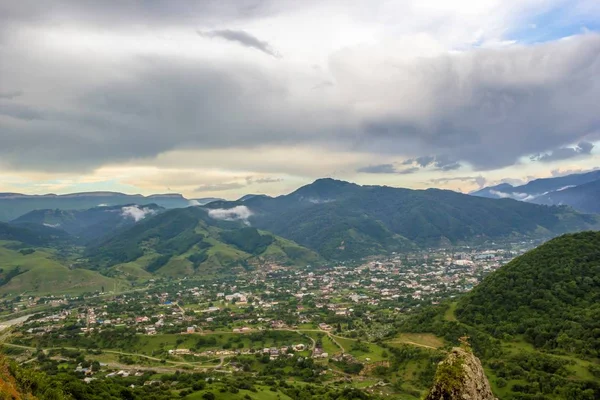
(343, 220)
(39, 271)
(89, 224)
(550, 295)
(13, 205)
(186, 241)
(32, 234)
(579, 191)
(534, 323)
(583, 197)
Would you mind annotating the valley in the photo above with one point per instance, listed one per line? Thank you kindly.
(356, 326)
(299, 200)
(335, 290)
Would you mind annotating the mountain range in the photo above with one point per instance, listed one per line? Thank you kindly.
(14, 205)
(343, 220)
(325, 220)
(580, 191)
(90, 224)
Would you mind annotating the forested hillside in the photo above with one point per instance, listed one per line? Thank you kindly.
(90, 224)
(551, 296)
(181, 242)
(535, 322)
(344, 220)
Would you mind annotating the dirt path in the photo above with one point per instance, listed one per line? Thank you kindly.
(412, 344)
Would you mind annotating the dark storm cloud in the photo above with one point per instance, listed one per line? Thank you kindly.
(18, 111)
(11, 94)
(162, 106)
(424, 161)
(243, 38)
(485, 107)
(444, 163)
(563, 153)
(440, 163)
(489, 107)
(148, 12)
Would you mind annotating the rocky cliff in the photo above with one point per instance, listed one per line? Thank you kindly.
(460, 377)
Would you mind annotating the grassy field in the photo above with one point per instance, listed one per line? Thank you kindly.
(418, 339)
(135, 269)
(373, 351)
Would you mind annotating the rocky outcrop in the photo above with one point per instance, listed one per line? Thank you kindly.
(460, 377)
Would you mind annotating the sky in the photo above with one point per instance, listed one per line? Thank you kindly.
(220, 98)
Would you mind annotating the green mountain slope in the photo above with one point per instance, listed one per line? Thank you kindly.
(583, 197)
(185, 241)
(40, 272)
(551, 296)
(32, 234)
(91, 224)
(535, 322)
(343, 220)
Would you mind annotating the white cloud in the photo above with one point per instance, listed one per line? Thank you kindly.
(136, 213)
(237, 213)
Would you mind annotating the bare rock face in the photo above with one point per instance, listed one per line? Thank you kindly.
(460, 377)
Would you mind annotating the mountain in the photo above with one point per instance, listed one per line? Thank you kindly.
(550, 296)
(186, 241)
(31, 234)
(249, 196)
(89, 224)
(31, 264)
(500, 191)
(583, 197)
(549, 191)
(343, 220)
(28, 267)
(13, 205)
(202, 201)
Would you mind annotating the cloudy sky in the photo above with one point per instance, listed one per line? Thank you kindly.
(227, 97)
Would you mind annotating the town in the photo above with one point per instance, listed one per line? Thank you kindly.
(341, 316)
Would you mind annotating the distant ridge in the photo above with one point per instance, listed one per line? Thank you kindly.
(344, 220)
(14, 205)
(579, 191)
